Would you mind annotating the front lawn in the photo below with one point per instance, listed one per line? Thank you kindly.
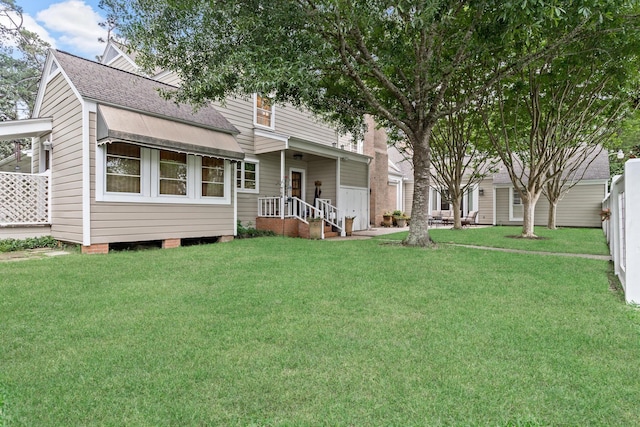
(282, 332)
(568, 240)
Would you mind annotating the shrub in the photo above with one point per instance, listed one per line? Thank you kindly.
(10, 245)
(249, 232)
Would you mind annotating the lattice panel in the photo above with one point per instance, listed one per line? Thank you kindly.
(24, 199)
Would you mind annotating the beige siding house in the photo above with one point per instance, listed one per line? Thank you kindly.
(493, 197)
(127, 165)
(580, 207)
(290, 158)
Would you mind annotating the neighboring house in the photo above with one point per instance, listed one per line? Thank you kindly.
(580, 207)
(128, 165)
(496, 201)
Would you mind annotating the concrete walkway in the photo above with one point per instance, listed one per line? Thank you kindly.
(520, 251)
(31, 254)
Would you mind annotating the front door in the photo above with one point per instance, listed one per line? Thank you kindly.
(296, 185)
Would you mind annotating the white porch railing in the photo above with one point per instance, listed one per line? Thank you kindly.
(24, 199)
(330, 212)
(288, 207)
(622, 229)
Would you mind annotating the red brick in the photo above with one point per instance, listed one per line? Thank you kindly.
(170, 243)
(98, 248)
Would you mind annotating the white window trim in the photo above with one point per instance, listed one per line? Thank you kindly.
(255, 115)
(150, 181)
(240, 167)
(511, 217)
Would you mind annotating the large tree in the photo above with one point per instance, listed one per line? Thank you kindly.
(343, 59)
(546, 120)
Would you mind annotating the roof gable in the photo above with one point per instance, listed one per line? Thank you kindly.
(111, 86)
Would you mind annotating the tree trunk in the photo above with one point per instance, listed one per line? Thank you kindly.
(551, 220)
(419, 226)
(455, 205)
(528, 215)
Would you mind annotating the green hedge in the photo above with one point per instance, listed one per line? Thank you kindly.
(10, 245)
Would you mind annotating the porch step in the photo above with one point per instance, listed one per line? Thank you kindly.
(330, 233)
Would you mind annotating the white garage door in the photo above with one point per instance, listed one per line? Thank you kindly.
(355, 201)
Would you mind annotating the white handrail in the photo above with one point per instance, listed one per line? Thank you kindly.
(331, 213)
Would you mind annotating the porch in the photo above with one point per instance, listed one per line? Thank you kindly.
(24, 205)
(293, 217)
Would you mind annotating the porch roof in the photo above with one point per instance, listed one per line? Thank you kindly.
(116, 124)
(27, 128)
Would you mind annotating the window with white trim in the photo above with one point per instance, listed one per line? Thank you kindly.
(131, 173)
(212, 177)
(263, 114)
(173, 173)
(123, 168)
(516, 208)
(247, 176)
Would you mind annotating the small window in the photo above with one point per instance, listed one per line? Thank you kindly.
(445, 200)
(123, 168)
(173, 173)
(264, 111)
(212, 177)
(247, 176)
(517, 201)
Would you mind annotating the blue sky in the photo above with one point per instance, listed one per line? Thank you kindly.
(69, 25)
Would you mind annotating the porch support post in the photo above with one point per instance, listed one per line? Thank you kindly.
(283, 184)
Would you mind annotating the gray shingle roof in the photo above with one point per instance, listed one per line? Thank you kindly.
(108, 85)
(597, 169)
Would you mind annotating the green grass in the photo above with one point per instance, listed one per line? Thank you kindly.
(286, 332)
(566, 240)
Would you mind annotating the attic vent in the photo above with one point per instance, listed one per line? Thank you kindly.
(110, 55)
(54, 68)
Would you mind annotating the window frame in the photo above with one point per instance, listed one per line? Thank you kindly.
(241, 170)
(150, 181)
(272, 125)
(512, 198)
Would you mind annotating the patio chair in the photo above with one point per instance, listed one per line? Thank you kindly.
(470, 219)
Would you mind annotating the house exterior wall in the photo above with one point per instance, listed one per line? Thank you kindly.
(485, 202)
(579, 208)
(131, 222)
(170, 78)
(324, 170)
(60, 102)
(408, 197)
(122, 63)
(353, 174)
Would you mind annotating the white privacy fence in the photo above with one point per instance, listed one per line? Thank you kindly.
(24, 199)
(622, 228)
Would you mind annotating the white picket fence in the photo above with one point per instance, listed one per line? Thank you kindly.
(622, 229)
(24, 199)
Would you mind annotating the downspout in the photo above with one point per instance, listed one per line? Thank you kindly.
(283, 184)
(494, 206)
(234, 174)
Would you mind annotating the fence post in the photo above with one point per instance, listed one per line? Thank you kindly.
(632, 230)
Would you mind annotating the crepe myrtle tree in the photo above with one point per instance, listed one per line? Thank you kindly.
(342, 59)
(547, 121)
(461, 155)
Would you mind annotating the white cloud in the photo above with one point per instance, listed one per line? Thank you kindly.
(30, 24)
(75, 25)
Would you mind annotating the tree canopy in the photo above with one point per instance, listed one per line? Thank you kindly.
(345, 58)
(22, 56)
